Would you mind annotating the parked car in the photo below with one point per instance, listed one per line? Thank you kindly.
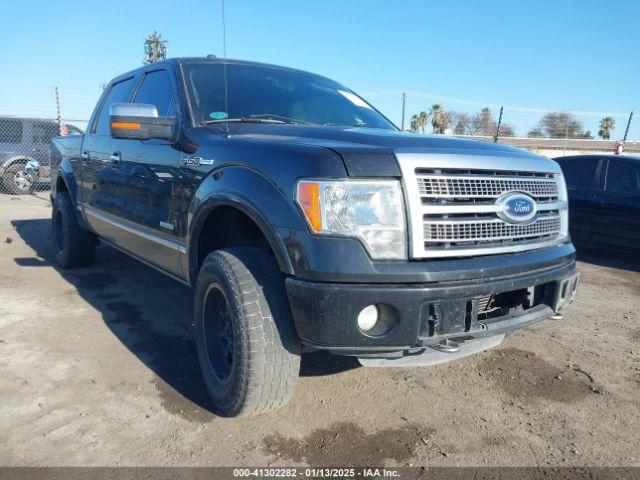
(604, 195)
(304, 220)
(24, 152)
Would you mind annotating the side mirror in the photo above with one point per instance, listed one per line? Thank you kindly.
(140, 121)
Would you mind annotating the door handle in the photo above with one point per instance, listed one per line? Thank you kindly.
(115, 157)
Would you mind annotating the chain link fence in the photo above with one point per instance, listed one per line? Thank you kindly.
(25, 152)
(30, 118)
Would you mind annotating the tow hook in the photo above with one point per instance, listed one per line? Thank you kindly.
(446, 346)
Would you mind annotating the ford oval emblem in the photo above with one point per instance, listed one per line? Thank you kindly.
(517, 208)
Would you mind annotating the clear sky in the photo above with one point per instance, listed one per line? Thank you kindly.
(573, 55)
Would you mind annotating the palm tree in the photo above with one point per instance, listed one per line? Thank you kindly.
(415, 123)
(419, 121)
(438, 121)
(607, 124)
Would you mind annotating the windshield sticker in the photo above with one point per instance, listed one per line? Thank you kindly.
(218, 115)
(356, 100)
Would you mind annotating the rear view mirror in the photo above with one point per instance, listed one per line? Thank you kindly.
(141, 122)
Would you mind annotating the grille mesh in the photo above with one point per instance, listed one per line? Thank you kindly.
(438, 186)
(492, 230)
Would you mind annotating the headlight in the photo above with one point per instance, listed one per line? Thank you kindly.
(372, 211)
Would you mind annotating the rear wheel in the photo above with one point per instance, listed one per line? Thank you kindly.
(17, 180)
(72, 246)
(247, 345)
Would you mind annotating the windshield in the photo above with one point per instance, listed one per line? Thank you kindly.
(277, 94)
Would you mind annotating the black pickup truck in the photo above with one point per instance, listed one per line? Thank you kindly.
(304, 220)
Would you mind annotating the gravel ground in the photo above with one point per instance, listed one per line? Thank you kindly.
(96, 369)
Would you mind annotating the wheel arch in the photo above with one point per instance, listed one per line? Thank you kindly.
(65, 178)
(216, 207)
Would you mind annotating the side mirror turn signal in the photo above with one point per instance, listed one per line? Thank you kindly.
(140, 121)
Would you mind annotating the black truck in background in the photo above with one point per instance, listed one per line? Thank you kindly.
(304, 220)
(604, 197)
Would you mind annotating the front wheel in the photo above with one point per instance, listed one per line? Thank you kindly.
(247, 345)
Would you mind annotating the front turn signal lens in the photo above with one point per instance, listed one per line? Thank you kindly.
(309, 200)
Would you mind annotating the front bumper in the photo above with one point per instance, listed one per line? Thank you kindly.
(325, 314)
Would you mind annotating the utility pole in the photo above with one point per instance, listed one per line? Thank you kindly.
(497, 135)
(404, 107)
(626, 132)
(58, 111)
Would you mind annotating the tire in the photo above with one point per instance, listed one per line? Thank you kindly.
(72, 246)
(16, 181)
(247, 346)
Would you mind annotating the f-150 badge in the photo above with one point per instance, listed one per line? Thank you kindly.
(195, 161)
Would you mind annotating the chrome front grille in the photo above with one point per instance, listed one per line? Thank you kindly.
(492, 230)
(455, 207)
(446, 186)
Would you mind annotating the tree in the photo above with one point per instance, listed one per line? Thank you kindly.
(607, 125)
(414, 124)
(419, 121)
(485, 122)
(481, 123)
(507, 130)
(438, 118)
(559, 125)
(155, 48)
(461, 122)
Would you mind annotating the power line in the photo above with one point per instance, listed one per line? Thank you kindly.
(476, 103)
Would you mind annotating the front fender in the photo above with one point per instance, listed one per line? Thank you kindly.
(255, 195)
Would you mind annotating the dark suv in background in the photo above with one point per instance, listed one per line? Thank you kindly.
(24, 152)
(604, 197)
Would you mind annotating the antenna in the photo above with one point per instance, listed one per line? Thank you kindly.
(224, 59)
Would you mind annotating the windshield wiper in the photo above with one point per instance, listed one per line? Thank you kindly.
(282, 118)
(260, 118)
(243, 120)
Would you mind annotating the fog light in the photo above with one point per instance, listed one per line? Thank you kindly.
(367, 318)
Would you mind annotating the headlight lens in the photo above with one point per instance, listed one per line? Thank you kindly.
(372, 211)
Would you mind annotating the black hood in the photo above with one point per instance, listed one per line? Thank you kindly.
(367, 151)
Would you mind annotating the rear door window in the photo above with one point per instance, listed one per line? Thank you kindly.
(579, 172)
(157, 89)
(623, 177)
(10, 131)
(120, 93)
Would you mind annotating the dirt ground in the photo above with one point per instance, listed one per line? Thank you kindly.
(96, 369)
